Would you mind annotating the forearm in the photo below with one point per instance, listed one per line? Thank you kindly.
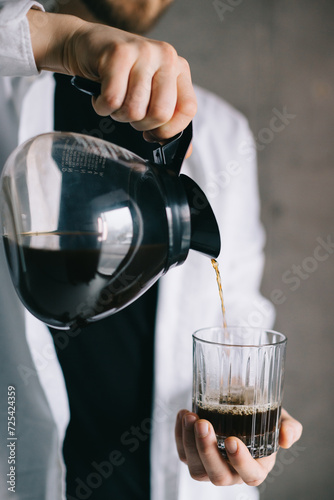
(143, 82)
(50, 36)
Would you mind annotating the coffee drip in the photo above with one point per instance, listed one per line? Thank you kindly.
(220, 290)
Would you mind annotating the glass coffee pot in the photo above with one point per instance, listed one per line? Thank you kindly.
(89, 226)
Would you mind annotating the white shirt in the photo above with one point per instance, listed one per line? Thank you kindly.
(188, 297)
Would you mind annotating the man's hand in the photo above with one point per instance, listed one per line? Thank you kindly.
(143, 81)
(197, 447)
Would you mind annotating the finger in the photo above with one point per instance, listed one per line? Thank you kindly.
(196, 469)
(290, 430)
(252, 472)
(164, 90)
(138, 94)
(185, 109)
(179, 436)
(112, 95)
(217, 469)
(114, 75)
(162, 103)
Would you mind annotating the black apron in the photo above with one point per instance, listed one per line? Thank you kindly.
(108, 365)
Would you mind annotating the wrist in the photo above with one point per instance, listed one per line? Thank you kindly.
(50, 38)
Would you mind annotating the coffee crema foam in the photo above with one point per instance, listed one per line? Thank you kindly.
(237, 409)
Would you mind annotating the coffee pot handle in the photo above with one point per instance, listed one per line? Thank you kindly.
(170, 154)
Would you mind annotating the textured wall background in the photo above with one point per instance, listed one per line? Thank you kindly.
(263, 56)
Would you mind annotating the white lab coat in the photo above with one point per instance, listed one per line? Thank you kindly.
(188, 298)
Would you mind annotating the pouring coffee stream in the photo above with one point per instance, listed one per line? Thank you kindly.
(220, 291)
(89, 226)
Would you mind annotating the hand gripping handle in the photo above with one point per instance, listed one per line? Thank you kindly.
(171, 153)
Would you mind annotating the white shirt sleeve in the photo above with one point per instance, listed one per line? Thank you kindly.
(16, 55)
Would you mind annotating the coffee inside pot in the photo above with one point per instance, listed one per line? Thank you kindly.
(89, 226)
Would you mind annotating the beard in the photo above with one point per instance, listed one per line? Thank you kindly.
(136, 16)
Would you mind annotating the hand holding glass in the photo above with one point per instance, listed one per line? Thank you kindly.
(238, 384)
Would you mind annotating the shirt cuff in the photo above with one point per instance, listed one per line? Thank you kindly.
(16, 54)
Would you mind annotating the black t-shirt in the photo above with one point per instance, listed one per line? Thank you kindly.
(108, 365)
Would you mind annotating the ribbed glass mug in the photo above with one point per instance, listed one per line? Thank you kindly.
(238, 376)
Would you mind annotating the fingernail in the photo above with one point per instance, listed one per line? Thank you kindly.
(202, 429)
(231, 446)
(189, 420)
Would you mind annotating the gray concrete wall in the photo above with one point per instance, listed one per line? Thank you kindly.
(263, 55)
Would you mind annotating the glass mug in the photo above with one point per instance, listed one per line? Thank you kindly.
(238, 376)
